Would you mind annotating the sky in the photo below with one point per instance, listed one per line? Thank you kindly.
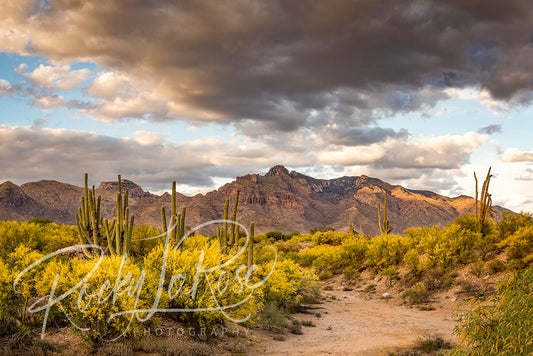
(417, 93)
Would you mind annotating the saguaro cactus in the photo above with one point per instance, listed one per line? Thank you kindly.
(177, 221)
(88, 219)
(484, 204)
(119, 231)
(384, 226)
(228, 239)
(251, 248)
(93, 229)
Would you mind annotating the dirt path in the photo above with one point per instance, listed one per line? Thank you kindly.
(351, 323)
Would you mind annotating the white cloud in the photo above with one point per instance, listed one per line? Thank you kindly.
(119, 108)
(109, 85)
(21, 68)
(148, 138)
(60, 77)
(5, 87)
(49, 101)
(70, 153)
(444, 152)
(515, 155)
(351, 156)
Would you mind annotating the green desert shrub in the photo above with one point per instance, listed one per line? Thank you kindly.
(416, 294)
(511, 222)
(495, 266)
(275, 235)
(503, 327)
(519, 244)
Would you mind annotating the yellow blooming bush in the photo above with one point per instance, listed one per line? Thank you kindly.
(13, 302)
(202, 287)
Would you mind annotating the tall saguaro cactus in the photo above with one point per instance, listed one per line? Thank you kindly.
(119, 232)
(484, 204)
(384, 226)
(251, 248)
(226, 238)
(88, 219)
(93, 229)
(177, 221)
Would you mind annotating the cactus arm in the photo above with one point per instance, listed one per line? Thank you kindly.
(163, 219)
(83, 237)
(127, 242)
(182, 229)
(110, 237)
(118, 226)
(477, 203)
(384, 225)
(234, 219)
(94, 219)
(174, 217)
(86, 195)
(251, 249)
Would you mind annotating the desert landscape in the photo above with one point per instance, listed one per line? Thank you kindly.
(281, 177)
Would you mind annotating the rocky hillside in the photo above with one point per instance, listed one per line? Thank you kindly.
(279, 200)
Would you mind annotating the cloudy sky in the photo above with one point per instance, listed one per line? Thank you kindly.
(418, 93)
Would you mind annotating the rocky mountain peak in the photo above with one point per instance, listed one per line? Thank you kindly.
(8, 185)
(277, 171)
(134, 189)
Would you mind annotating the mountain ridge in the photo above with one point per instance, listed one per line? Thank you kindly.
(279, 200)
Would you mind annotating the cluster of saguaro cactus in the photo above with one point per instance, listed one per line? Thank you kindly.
(384, 225)
(484, 204)
(88, 219)
(119, 231)
(177, 221)
(226, 238)
(93, 229)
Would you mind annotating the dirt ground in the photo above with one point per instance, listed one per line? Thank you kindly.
(351, 322)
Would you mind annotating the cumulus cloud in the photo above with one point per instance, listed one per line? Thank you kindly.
(49, 101)
(5, 87)
(515, 155)
(153, 162)
(443, 152)
(148, 138)
(279, 62)
(145, 160)
(61, 77)
(118, 108)
(109, 85)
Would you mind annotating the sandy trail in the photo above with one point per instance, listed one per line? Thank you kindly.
(354, 324)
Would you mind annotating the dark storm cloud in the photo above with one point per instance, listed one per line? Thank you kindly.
(280, 62)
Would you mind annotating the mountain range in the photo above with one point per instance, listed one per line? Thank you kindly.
(279, 200)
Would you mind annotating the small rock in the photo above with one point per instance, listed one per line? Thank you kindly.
(453, 299)
(386, 296)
